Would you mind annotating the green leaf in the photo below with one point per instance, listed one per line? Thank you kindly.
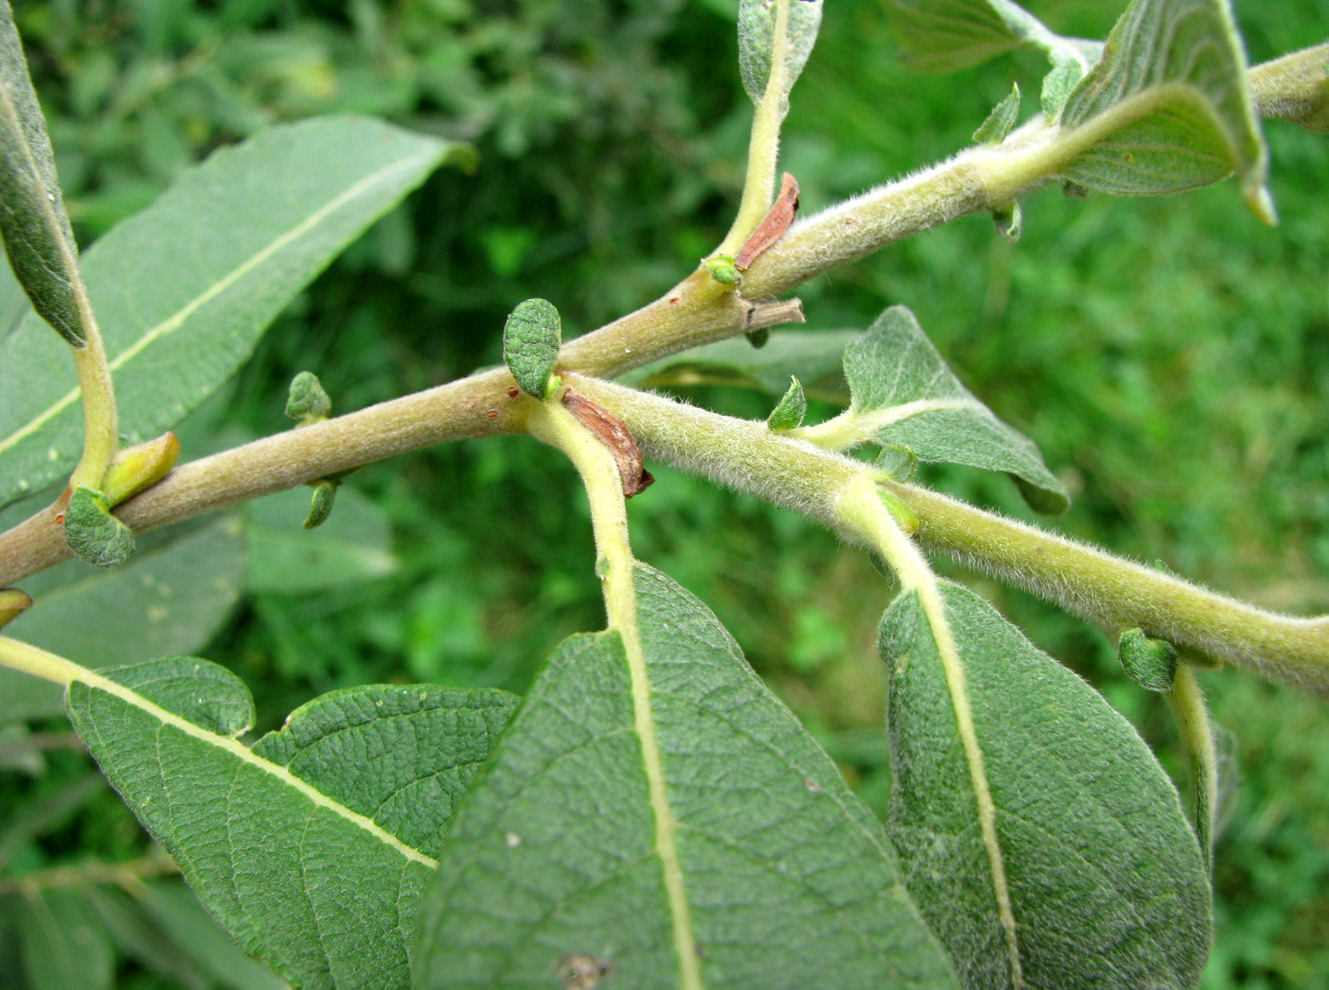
(184, 289)
(783, 876)
(170, 598)
(531, 339)
(760, 45)
(63, 945)
(1169, 107)
(815, 356)
(1066, 861)
(790, 410)
(312, 854)
(948, 35)
(353, 545)
(33, 222)
(904, 394)
(135, 935)
(999, 122)
(96, 536)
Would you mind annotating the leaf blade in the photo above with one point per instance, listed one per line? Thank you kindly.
(1067, 776)
(241, 234)
(760, 45)
(37, 236)
(311, 858)
(786, 874)
(1173, 97)
(903, 393)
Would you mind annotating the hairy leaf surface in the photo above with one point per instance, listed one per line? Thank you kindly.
(786, 879)
(1170, 106)
(1041, 838)
(184, 289)
(903, 393)
(760, 46)
(312, 848)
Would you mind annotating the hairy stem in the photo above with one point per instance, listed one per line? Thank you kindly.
(1109, 591)
(764, 144)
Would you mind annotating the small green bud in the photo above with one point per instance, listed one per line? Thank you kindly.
(790, 410)
(96, 536)
(306, 400)
(140, 467)
(723, 269)
(1008, 222)
(531, 339)
(320, 506)
(900, 511)
(898, 461)
(1150, 663)
(757, 338)
(12, 602)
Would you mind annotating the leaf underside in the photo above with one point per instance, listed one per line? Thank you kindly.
(899, 380)
(788, 879)
(184, 289)
(313, 847)
(1102, 871)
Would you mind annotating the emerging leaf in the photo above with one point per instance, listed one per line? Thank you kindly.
(140, 467)
(13, 603)
(904, 394)
(96, 536)
(780, 878)
(1067, 860)
(791, 409)
(33, 222)
(999, 122)
(531, 339)
(761, 45)
(1150, 663)
(181, 304)
(1169, 107)
(310, 854)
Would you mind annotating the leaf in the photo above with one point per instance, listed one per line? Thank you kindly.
(1169, 107)
(761, 44)
(790, 410)
(33, 222)
(353, 545)
(184, 289)
(904, 394)
(171, 598)
(1067, 859)
(96, 536)
(531, 339)
(782, 878)
(134, 934)
(313, 847)
(948, 35)
(63, 946)
(999, 122)
(1150, 663)
(815, 356)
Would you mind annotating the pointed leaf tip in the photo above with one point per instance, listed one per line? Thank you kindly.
(790, 410)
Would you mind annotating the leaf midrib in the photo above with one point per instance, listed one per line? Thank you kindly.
(247, 756)
(177, 319)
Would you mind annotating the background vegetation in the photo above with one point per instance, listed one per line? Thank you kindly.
(1171, 358)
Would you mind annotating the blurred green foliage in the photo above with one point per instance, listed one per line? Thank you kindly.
(1170, 356)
